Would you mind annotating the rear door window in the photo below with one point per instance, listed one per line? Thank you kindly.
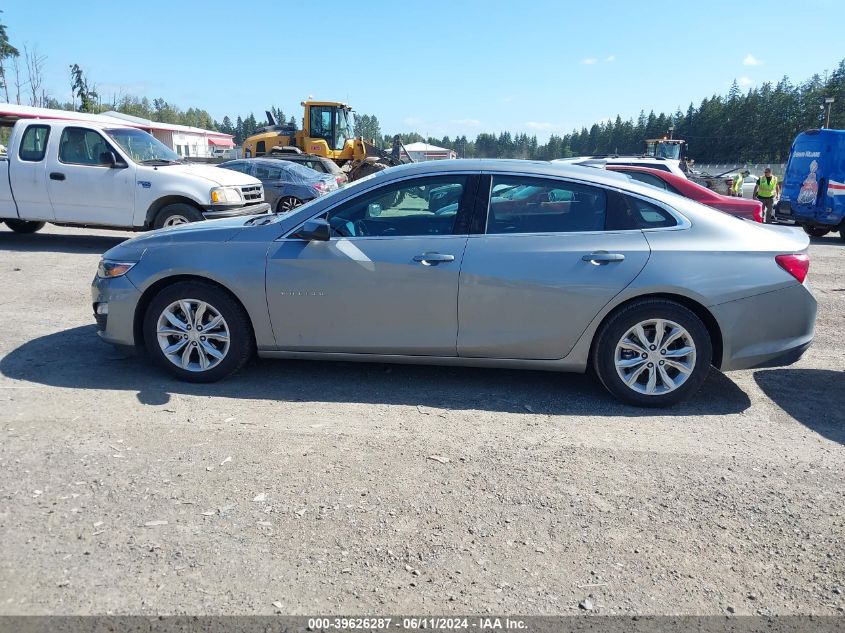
(34, 143)
(648, 179)
(521, 204)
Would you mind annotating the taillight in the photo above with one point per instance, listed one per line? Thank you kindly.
(758, 213)
(796, 265)
(340, 180)
(320, 186)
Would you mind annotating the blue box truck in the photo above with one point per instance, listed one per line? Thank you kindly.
(813, 193)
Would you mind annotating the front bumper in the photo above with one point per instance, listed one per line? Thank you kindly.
(769, 330)
(121, 297)
(215, 212)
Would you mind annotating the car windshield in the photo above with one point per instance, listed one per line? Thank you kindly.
(143, 147)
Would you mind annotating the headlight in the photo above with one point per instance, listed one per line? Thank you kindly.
(109, 269)
(225, 195)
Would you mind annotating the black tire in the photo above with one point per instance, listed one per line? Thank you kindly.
(612, 332)
(23, 226)
(241, 338)
(287, 203)
(177, 213)
(816, 231)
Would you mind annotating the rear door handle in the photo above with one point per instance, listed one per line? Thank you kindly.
(603, 257)
(429, 259)
(56, 176)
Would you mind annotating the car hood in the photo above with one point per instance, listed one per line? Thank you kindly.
(216, 175)
(209, 231)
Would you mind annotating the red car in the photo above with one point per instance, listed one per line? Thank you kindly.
(750, 209)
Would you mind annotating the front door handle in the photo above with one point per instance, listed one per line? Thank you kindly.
(56, 176)
(603, 257)
(432, 259)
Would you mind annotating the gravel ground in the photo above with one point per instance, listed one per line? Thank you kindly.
(347, 488)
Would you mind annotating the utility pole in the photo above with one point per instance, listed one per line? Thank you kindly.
(828, 101)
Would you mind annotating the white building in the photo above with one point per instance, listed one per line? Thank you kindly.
(185, 140)
(421, 152)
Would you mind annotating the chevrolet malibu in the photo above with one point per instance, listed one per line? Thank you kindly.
(531, 265)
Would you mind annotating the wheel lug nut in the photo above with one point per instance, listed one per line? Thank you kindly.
(650, 364)
(653, 347)
(645, 355)
(184, 336)
(202, 338)
(663, 362)
(189, 327)
(663, 351)
(194, 343)
(199, 328)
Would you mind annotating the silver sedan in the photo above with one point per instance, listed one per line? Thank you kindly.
(485, 263)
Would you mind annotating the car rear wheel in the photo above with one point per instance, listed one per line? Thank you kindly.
(815, 231)
(176, 214)
(653, 353)
(197, 332)
(287, 203)
(23, 226)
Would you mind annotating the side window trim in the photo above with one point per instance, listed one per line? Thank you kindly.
(34, 126)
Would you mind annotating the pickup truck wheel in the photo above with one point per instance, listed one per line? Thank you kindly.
(653, 353)
(23, 226)
(815, 231)
(197, 332)
(175, 214)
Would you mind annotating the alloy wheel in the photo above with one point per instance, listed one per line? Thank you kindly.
(655, 357)
(193, 335)
(176, 220)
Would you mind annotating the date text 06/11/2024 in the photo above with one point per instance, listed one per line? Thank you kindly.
(430, 623)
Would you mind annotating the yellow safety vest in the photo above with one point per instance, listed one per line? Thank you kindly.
(766, 190)
(738, 184)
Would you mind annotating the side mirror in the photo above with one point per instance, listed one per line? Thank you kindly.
(109, 159)
(318, 230)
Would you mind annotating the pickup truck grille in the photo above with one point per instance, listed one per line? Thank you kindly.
(253, 193)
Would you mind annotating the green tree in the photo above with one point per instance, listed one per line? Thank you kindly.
(87, 95)
(7, 51)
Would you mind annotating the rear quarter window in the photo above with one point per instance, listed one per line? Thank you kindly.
(627, 212)
(34, 143)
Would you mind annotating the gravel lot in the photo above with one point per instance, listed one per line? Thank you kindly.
(314, 485)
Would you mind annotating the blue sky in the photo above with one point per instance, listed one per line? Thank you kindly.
(433, 66)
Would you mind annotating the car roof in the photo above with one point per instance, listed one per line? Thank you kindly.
(533, 167)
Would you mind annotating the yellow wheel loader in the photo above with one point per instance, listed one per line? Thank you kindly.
(326, 131)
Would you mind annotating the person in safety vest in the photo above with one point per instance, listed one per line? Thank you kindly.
(765, 191)
(736, 189)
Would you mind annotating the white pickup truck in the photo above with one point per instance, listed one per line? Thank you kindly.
(88, 174)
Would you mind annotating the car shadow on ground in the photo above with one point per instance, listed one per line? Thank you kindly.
(53, 243)
(76, 359)
(809, 396)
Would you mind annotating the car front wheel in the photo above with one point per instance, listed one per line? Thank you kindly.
(197, 332)
(653, 353)
(287, 203)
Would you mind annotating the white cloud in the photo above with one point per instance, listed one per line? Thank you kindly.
(610, 58)
(744, 81)
(750, 60)
(590, 60)
(538, 125)
(468, 122)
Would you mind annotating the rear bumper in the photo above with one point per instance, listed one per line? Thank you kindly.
(213, 213)
(768, 330)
